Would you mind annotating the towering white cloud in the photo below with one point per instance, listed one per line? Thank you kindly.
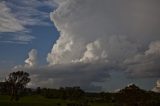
(157, 87)
(94, 52)
(30, 63)
(111, 32)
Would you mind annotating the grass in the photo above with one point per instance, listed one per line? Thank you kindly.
(31, 101)
(39, 101)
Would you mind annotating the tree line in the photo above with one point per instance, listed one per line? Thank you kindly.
(15, 86)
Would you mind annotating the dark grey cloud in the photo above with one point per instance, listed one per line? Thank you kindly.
(146, 64)
(63, 75)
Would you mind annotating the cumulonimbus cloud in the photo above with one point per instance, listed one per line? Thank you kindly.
(98, 36)
(109, 31)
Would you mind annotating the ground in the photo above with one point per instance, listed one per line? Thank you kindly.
(40, 101)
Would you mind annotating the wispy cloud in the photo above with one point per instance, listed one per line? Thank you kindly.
(13, 42)
(23, 38)
(16, 38)
(32, 12)
(8, 22)
(17, 17)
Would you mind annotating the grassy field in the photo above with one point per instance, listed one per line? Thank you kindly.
(39, 101)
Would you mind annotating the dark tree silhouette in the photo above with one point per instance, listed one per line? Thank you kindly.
(3, 88)
(16, 82)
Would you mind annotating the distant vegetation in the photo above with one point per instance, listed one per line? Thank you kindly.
(75, 96)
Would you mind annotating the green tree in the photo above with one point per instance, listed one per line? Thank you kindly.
(16, 82)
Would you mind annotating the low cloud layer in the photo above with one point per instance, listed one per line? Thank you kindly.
(63, 75)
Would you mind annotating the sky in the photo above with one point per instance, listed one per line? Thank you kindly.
(97, 45)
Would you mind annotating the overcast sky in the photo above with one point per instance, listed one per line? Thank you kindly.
(96, 44)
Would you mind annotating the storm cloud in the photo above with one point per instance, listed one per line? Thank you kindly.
(62, 75)
(111, 32)
(98, 36)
